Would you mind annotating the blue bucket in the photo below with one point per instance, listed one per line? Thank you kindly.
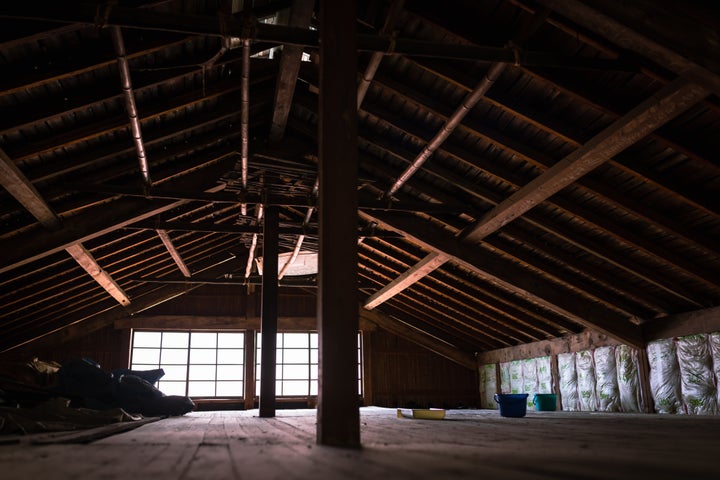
(512, 404)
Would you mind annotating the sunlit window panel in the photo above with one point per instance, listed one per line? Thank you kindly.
(173, 356)
(146, 339)
(146, 356)
(175, 339)
(203, 340)
(229, 389)
(296, 356)
(231, 340)
(295, 387)
(203, 356)
(230, 356)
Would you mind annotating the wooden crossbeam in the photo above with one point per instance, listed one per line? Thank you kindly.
(432, 261)
(672, 100)
(167, 241)
(86, 260)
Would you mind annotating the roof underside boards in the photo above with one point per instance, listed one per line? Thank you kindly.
(526, 171)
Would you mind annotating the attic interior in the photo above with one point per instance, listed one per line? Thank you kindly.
(432, 202)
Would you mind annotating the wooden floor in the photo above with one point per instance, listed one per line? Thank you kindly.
(469, 444)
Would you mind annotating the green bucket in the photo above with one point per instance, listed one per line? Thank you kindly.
(545, 401)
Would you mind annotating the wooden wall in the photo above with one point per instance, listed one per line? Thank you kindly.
(406, 375)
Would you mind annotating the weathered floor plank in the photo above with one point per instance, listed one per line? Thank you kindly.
(467, 444)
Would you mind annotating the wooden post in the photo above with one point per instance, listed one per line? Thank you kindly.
(555, 371)
(249, 390)
(338, 417)
(269, 309)
(367, 368)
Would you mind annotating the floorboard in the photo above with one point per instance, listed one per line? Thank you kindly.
(467, 444)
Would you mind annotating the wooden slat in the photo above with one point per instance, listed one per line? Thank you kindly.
(177, 258)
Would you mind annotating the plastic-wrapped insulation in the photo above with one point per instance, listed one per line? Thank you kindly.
(505, 377)
(628, 378)
(606, 385)
(488, 386)
(568, 382)
(697, 384)
(586, 381)
(516, 378)
(544, 371)
(664, 376)
(715, 352)
(530, 380)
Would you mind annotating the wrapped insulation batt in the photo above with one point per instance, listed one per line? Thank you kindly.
(530, 380)
(586, 381)
(696, 375)
(606, 386)
(516, 378)
(664, 376)
(628, 378)
(715, 352)
(505, 377)
(544, 372)
(568, 382)
(488, 386)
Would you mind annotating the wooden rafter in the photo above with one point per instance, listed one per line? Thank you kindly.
(432, 261)
(177, 258)
(672, 100)
(513, 278)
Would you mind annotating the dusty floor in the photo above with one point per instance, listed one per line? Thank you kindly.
(466, 444)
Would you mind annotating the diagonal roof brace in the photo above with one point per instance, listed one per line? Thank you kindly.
(672, 100)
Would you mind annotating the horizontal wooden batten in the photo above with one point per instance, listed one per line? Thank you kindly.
(222, 322)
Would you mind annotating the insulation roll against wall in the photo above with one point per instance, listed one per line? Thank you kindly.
(628, 377)
(530, 380)
(606, 386)
(664, 376)
(488, 386)
(568, 382)
(544, 371)
(586, 381)
(505, 377)
(715, 353)
(516, 378)
(697, 383)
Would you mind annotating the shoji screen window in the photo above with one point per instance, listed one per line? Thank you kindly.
(196, 364)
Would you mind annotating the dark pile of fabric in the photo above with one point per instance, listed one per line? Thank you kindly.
(83, 395)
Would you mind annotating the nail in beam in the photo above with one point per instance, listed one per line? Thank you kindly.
(338, 415)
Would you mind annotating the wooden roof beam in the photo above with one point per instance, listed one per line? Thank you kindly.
(167, 241)
(432, 261)
(25, 192)
(86, 260)
(419, 337)
(672, 100)
(512, 278)
(300, 15)
(628, 38)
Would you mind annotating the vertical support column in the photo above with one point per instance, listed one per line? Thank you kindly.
(268, 325)
(249, 390)
(367, 345)
(338, 416)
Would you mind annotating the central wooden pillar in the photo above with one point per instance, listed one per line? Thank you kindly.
(338, 414)
(269, 320)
